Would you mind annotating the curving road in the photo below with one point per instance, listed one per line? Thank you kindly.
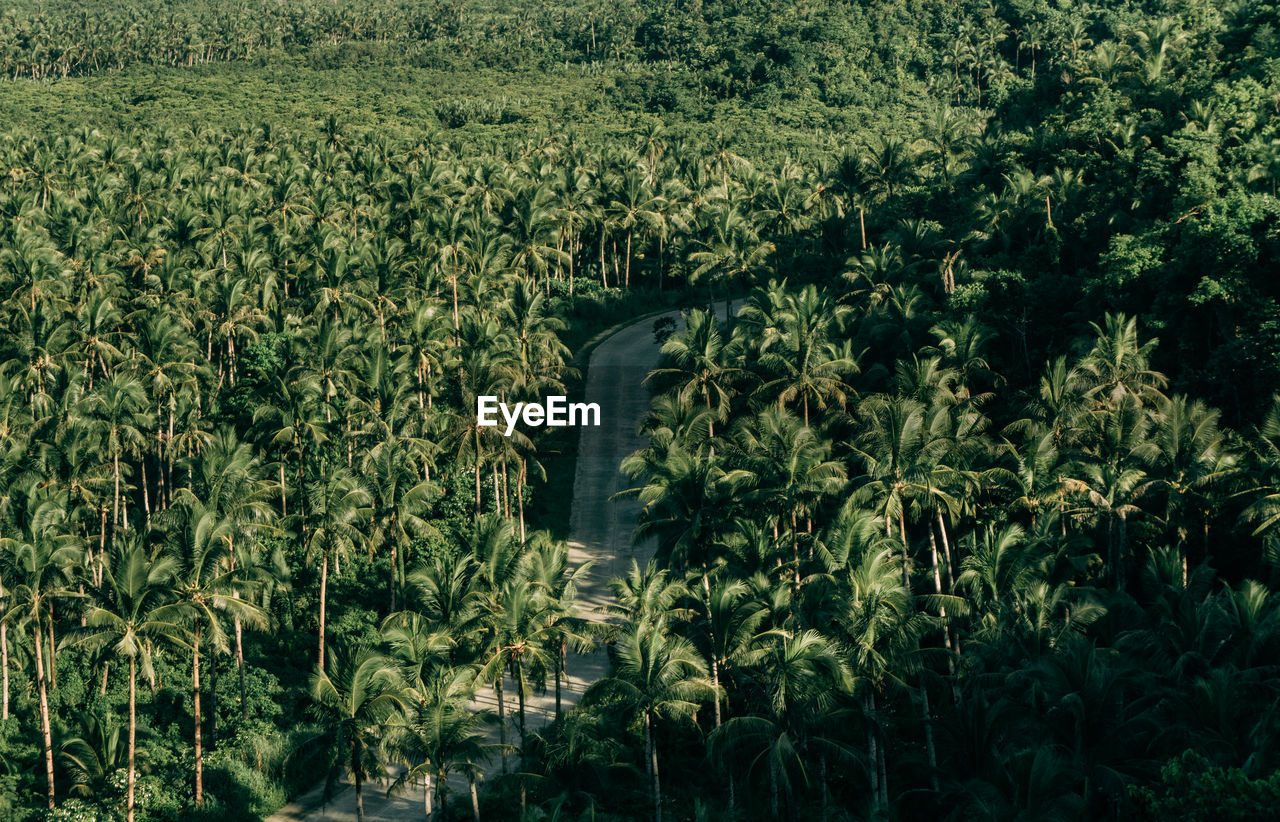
(600, 531)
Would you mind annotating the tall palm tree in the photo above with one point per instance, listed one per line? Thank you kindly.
(206, 587)
(701, 367)
(660, 677)
(798, 348)
(803, 676)
(438, 734)
(338, 505)
(902, 457)
(130, 613)
(791, 467)
(634, 208)
(39, 556)
(355, 699)
(118, 410)
(732, 251)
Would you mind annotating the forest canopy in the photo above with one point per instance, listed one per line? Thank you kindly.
(960, 471)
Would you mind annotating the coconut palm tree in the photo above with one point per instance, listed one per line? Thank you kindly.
(38, 555)
(338, 505)
(701, 365)
(117, 411)
(355, 698)
(438, 734)
(658, 676)
(803, 677)
(206, 586)
(129, 614)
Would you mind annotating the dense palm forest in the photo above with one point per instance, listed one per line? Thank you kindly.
(963, 471)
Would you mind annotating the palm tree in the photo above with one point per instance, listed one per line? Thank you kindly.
(880, 628)
(226, 482)
(634, 207)
(289, 419)
(38, 557)
(398, 501)
(337, 506)
(700, 364)
(803, 676)
(206, 587)
(118, 410)
(660, 677)
(729, 633)
(688, 502)
(796, 344)
(732, 250)
(355, 699)
(901, 454)
(530, 232)
(440, 733)
(1112, 482)
(1194, 459)
(130, 612)
(523, 639)
(791, 467)
(1119, 364)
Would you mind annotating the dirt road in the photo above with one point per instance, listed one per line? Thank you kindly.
(599, 531)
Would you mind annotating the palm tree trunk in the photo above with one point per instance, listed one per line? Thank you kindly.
(520, 480)
(454, 281)
(711, 633)
(44, 715)
(502, 720)
(426, 796)
(213, 700)
(115, 512)
(906, 556)
(559, 672)
(394, 580)
(284, 503)
(627, 279)
(244, 692)
(604, 272)
(946, 551)
(102, 547)
(475, 798)
(133, 737)
(927, 718)
(4, 669)
(53, 657)
(146, 494)
(478, 461)
(506, 489)
(520, 699)
(652, 751)
(355, 774)
(195, 703)
(937, 584)
(324, 584)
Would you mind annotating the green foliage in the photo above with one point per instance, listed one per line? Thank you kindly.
(941, 529)
(1194, 789)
